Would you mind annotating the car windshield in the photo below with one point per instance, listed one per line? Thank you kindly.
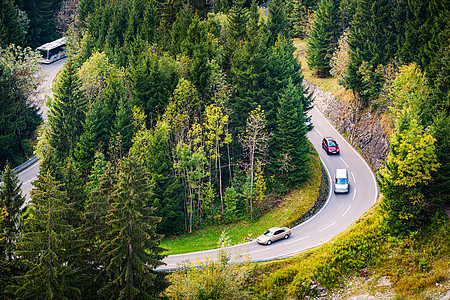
(268, 233)
(332, 144)
(341, 181)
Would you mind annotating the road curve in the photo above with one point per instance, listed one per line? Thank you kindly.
(28, 175)
(338, 213)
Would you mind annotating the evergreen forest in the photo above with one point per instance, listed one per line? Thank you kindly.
(169, 116)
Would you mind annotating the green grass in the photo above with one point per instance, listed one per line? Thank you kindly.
(290, 208)
(327, 84)
(354, 261)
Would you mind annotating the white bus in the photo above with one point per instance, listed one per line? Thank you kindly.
(53, 51)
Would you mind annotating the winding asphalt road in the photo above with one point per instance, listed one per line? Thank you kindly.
(28, 175)
(339, 212)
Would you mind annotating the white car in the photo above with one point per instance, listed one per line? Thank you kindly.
(274, 234)
(341, 181)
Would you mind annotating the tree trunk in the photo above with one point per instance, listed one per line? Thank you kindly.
(252, 155)
(130, 251)
(220, 173)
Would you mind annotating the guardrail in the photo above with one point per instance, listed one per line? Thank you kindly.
(24, 165)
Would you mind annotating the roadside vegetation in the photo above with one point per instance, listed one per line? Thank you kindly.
(285, 211)
(413, 266)
(365, 260)
(188, 121)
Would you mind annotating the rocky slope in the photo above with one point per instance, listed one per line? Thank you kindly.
(363, 128)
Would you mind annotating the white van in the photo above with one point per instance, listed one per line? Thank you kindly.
(341, 181)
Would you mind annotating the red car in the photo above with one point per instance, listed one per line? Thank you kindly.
(330, 145)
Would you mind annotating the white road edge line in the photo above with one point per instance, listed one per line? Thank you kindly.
(30, 180)
(344, 161)
(319, 132)
(330, 184)
(294, 252)
(353, 175)
(297, 240)
(328, 226)
(354, 194)
(354, 150)
(347, 210)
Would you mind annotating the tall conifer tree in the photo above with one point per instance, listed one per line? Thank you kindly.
(372, 43)
(66, 112)
(95, 136)
(277, 22)
(282, 66)
(99, 188)
(131, 248)
(12, 200)
(48, 243)
(289, 148)
(152, 149)
(248, 75)
(12, 27)
(323, 37)
(9, 123)
(237, 18)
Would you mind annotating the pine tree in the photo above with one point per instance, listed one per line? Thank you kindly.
(237, 20)
(12, 27)
(151, 148)
(131, 247)
(74, 188)
(95, 136)
(197, 46)
(66, 112)
(153, 80)
(277, 22)
(299, 12)
(288, 147)
(440, 186)
(99, 189)
(47, 243)
(372, 43)
(323, 37)
(248, 74)
(149, 22)
(180, 28)
(8, 121)
(42, 20)
(282, 66)
(12, 200)
(424, 22)
(438, 71)
(123, 124)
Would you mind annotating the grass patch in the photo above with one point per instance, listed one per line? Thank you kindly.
(330, 84)
(290, 208)
(359, 261)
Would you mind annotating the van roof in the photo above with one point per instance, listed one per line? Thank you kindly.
(341, 173)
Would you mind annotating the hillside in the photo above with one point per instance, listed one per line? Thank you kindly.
(365, 262)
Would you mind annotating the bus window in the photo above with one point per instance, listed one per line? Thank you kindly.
(53, 51)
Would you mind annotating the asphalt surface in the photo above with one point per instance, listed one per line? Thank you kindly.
(338, 213)
(27, 176)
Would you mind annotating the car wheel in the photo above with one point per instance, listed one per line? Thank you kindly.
(269, 242)
(286, 236)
